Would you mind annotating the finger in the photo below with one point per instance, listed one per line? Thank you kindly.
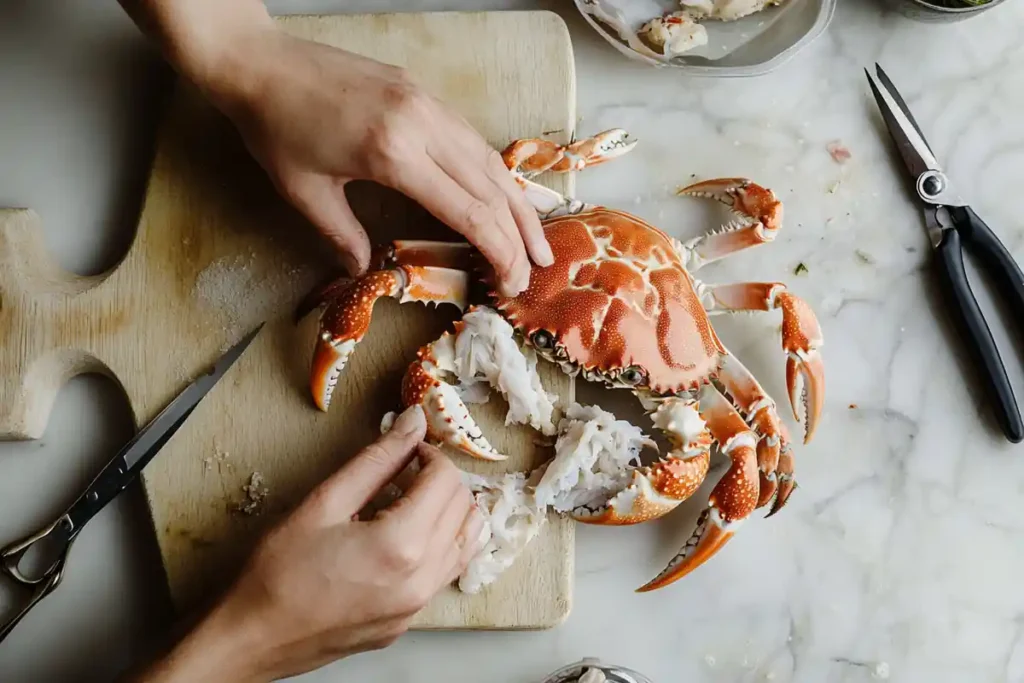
(445, 546)
(467, 164)
(467, 543)
(429, 495)
(322, 200)
(524, 214)
(447, 527)
(345, 493)
(429, 185)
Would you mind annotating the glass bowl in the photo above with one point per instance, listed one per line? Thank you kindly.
(751, 46)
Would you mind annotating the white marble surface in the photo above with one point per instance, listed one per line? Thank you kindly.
(900, 554)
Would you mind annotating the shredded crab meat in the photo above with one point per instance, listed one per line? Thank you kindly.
(486, 353)
(511, 520)
(592, 460)
(594, 454)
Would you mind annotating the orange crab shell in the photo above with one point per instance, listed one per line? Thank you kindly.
(618, 296)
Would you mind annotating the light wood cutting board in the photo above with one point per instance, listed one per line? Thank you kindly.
(217, 251)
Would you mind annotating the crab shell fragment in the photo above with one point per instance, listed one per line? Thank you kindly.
(620, 306)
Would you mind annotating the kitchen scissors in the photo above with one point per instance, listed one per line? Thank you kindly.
(121, 471)
(952, 225)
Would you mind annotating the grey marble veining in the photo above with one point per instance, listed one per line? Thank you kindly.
(900, 555)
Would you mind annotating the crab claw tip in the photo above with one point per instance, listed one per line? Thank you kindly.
(328, 362)
(786, 488)
(707, 539)
(805, 378)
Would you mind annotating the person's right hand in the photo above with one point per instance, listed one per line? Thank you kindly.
(323, 585)
(317, 117)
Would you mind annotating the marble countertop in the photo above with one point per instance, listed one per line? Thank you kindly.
(897, 557)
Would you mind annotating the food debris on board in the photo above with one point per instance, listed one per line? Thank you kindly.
(244, 293)
(220, 458)
(256, 493)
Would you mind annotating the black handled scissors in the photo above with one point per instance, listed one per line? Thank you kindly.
(952, 224)
(121, 471)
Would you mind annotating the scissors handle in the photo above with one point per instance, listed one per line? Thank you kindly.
(39, 591)
(973, 328)
(994, 256)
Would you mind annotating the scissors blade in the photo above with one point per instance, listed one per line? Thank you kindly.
(910, 141)
(126, 466)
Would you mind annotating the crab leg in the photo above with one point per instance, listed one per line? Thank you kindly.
(346, 318)
(529, 157)
(759, 410)
(657, 490)
(758, 218)
(801, 339)
(732, 500)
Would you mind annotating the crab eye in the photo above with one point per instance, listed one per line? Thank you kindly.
(632, 375)
(542, 339)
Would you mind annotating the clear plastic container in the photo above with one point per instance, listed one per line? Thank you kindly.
(751, 46)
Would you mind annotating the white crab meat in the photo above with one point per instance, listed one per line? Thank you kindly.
(593, 454)
(511, 520)
(486, 353)
(675, 33)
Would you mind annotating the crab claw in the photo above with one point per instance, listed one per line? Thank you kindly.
(805, 372)
(656, 490)
(448, 419)
(756, 206)
(732, 501)
(346, 318)
(532, 156)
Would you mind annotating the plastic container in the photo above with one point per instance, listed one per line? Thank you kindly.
(614, 674)
(751, 46)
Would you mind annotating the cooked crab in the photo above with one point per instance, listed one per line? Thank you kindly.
(619, 306)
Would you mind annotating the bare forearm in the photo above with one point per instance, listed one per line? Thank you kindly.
(209, 42)
(221, 646)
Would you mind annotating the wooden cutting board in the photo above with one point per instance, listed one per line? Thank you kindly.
(217, 251)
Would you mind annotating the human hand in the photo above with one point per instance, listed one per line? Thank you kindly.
(318, 117)
(323, 585)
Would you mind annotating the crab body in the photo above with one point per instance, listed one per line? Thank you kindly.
(620, 306)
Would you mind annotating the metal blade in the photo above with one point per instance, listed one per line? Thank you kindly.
(895, 94)
(127, 464)
(916, 153)
(164, 425)
(930, 181)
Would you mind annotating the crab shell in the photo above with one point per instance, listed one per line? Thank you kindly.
(617, 302)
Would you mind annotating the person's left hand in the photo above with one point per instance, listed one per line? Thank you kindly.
(324, 585)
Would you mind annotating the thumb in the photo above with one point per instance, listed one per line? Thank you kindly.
(349, 489)
(322, 199)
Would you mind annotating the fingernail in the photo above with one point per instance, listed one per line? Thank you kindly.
(410, 421)
(544, 255)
